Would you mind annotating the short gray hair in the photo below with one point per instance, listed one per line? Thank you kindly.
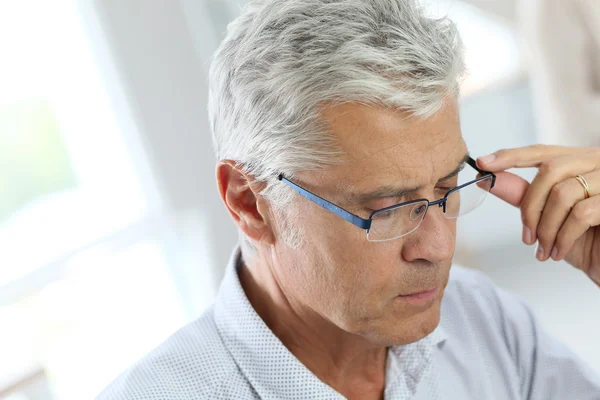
(283, 60)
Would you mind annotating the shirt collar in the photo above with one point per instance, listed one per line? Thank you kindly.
(409, 364)
(265, 361)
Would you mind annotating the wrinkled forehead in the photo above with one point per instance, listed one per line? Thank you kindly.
(382, 145)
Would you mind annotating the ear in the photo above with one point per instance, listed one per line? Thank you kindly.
(249, 210)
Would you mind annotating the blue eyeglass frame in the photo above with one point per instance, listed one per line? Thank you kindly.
(366, 223)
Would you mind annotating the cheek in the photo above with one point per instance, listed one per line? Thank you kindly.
(383, 264)
(365, 276)
(334, 238)
(349, 259)
(341, 272)
(451, 223)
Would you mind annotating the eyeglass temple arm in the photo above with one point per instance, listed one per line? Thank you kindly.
(473, 164)
(348, 216)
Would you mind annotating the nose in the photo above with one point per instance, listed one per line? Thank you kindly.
(433, 241)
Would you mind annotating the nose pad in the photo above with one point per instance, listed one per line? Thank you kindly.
(442, 204)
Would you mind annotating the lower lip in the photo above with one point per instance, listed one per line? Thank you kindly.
(423, 298)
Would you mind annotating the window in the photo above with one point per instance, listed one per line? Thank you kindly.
(82, 236)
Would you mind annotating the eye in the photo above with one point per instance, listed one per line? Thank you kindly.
(384, 214)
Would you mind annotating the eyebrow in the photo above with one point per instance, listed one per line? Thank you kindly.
(389, 191)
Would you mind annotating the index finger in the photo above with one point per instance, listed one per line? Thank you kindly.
(511, 188)
(525, 157)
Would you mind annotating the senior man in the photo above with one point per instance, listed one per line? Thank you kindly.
(341, 162)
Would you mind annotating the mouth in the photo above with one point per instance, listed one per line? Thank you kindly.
(421, 298)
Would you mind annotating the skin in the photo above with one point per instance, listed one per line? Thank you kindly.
(554, 208)
(334, 302)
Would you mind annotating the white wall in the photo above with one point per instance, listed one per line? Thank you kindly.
(163, 75)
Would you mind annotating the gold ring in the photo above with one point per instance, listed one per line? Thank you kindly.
(585, 185)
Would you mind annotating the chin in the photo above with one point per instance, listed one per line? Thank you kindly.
(424, 324)
(402, 331)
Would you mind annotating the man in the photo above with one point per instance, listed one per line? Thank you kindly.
(341, 162)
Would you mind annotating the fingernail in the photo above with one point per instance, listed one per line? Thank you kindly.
(526, 235)
(487, 159)
(554, 252)
(539, 252)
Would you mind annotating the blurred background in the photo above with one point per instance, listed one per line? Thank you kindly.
(112, 235)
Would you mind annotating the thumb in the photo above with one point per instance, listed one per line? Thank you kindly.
(510, 187)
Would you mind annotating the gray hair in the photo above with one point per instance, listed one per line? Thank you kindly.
(282, 61)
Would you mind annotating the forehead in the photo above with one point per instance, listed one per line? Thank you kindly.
(382, 144)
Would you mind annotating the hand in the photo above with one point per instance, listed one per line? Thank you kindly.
(554, 208)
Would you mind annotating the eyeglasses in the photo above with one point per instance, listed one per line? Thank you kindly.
(402, 219)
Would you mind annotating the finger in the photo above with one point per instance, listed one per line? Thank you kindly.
(550, 174)
(583, 216)
(594, 273)
(561, 200)
(527, 157)
(510, 187)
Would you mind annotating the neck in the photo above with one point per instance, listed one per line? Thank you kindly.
(346, 362)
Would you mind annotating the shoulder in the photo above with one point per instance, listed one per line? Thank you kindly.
(492, 330)
(192, 363)
(469, 289)
(472, 296)
(479, 315)
(469, 282)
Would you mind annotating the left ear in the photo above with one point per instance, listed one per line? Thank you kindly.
(241, 198)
